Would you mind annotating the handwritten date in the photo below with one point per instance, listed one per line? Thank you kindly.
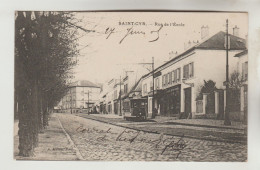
(131, 32)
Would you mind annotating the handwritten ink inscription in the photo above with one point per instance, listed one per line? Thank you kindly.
(162, 142)
(131, 32)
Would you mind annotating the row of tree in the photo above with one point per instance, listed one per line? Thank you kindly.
(45, 53)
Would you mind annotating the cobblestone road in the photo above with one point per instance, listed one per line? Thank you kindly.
(221, 134)
(101, 141)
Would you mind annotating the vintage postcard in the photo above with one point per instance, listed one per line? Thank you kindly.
(131, 86)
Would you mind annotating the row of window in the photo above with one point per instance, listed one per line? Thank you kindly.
(172, 77)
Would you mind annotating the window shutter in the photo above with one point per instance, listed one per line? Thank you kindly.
(175, 75)
(170, 78)
(179, 74)
(187, 71)
(191, 70)
(184, 71)
(162, 80)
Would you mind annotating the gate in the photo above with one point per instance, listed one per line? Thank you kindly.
(187, 100)
(221, 105)
(210, 108)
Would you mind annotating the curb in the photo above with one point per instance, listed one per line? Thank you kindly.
(207, 126)
(78, 154)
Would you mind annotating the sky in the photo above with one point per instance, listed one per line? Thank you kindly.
(104, 56)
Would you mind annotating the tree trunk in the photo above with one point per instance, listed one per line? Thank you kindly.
(34, 110)
(25, 142)
(40, 115)
(45, 115)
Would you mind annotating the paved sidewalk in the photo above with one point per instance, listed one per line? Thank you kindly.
(53, 144)
(109, 116)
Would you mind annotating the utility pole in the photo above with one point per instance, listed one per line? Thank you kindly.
(227, 110)
(70, 101)
(120, 104)
(88, 101)
(153, 113)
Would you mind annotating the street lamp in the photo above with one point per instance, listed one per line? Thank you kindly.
(227, 120)
(70, 102)
(120, 100)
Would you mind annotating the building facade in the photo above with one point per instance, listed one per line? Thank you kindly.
(178, 81)
(129, 82)
(82, 96)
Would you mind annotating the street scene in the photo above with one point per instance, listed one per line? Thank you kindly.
(131, 86)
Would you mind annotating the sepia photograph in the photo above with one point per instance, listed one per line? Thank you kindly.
(131, 86)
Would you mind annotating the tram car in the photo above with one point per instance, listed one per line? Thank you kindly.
(137, 111)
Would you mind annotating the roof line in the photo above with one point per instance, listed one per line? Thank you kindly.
(241, 53)
(187, 51)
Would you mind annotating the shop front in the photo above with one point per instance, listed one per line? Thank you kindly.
(169, 101)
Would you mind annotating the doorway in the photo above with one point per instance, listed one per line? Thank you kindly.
(187, 101)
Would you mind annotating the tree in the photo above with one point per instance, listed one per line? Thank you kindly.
(45, 52)
(208, 87)
(235, 81)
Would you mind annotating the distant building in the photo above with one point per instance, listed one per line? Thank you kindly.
(108, 97)
(129, 82)
(82, 96)
(115, 93)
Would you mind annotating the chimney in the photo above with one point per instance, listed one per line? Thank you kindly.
(236, 31)
(204, 32)
(172, 55)
(189, 44)
(195, 42)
